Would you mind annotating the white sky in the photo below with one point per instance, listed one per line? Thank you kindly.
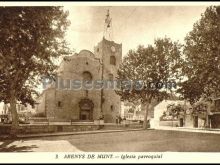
(132, 25)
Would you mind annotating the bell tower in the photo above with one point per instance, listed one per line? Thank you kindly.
(110, 54)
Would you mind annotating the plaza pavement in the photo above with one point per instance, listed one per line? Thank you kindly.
(64, 141)
(182, 129)
(37, 146)
(118, 141)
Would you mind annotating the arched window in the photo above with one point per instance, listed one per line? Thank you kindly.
(112, 107)
(59, 104)
(112, 60)
(87, 76)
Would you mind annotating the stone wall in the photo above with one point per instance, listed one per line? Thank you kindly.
(169, 123)
(40, 107)
(189, 121)
(112, 104)
(122, 126)
(69, 99)
(35, 129)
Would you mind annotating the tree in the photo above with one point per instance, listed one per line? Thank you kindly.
(145, 72)
(201, 109)
(175, 110)
(202, 57)
(31, 38)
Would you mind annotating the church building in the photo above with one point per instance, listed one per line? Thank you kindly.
(59, 104)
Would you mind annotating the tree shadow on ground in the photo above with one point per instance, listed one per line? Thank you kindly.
(6, 147)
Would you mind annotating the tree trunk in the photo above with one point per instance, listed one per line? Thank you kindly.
(207, 120)
(14, 115)
(146, 107)
(172, 121)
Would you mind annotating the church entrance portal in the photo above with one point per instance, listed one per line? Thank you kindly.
(86, 109)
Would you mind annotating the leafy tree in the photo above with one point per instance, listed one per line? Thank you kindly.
(143, 71)
(31, 38)
(201, 109)
(175, 110)
(202, 57)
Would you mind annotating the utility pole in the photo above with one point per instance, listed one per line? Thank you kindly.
(107, 35)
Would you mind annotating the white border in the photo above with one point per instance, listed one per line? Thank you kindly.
(168, 157)
(98, 3)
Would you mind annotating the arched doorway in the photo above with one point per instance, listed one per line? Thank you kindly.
(87, 76)
(86, 109)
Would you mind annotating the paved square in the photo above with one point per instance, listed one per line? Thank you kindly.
(131, 141)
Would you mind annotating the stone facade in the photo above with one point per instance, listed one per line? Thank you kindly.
(85, 105)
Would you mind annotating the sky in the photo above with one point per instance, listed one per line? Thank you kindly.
(131, 25)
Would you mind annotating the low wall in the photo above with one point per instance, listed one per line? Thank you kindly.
(121, 126)
(169, 123)
(34, 129)
(30, 129)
